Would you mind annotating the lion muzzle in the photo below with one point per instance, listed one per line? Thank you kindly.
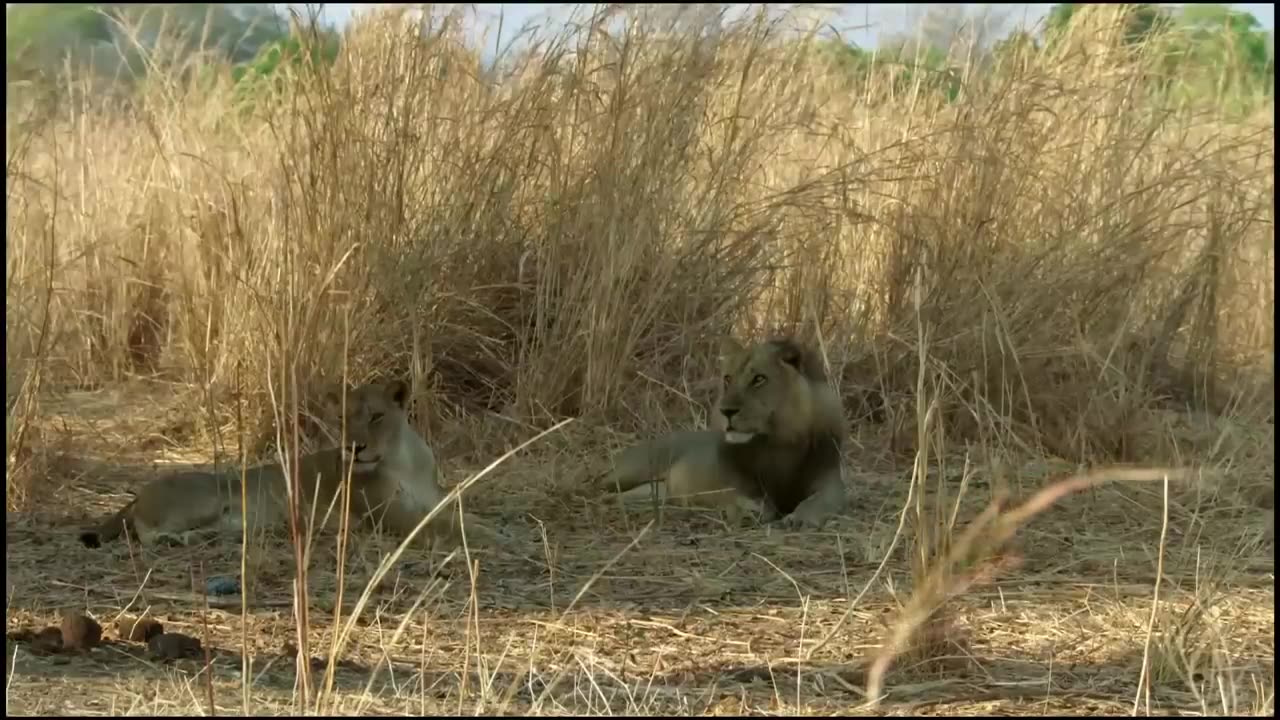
(357, 457)
(731, 436)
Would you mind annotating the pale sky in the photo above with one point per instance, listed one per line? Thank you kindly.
(859, 23)
(883, 18)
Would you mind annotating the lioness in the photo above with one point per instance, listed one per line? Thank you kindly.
(394, 481)
(774, 447)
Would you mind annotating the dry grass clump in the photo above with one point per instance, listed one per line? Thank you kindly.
(557, 236)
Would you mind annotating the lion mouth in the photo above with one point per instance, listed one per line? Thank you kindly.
(733, 437)
(353, 456)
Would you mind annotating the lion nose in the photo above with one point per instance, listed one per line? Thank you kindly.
(728, 412)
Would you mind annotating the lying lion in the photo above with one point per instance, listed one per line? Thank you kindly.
(774, 447)
(395, 482)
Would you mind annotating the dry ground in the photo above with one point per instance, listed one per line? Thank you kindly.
(695, 618)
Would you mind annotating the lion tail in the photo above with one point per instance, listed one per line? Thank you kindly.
(650, 460)
(110, 528)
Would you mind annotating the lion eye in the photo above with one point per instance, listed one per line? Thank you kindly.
(759, 381)
(728, 380)
(377, 417)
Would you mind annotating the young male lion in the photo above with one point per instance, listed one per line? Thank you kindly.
(394, 481)
(774, 447)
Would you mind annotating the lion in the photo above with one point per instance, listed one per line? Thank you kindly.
(773, 448)
(395, 482)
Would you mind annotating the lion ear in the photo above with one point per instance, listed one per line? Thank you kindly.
(805, 361)
(332, 399)
(789, 353)
(398, 393)
(730, 351)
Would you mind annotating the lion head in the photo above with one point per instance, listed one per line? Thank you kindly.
(375, 413)
(776, 392)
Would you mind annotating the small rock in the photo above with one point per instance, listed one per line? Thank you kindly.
(222, 585)
(79, 631)
(172, 646)
(138, 629)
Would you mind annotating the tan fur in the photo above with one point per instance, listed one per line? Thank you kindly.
(774, 445)
(395, 482)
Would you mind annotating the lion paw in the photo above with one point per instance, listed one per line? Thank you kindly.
(803, 521)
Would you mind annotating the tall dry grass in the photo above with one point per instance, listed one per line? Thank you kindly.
(568, 236)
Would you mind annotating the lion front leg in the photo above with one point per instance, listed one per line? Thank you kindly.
(478, 532)
(828, 499)
(392, 518)
(744, 506)
(444, 532)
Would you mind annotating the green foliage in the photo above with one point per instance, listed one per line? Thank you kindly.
(847, 59)
(289, 50)
(44, 23)
(897, 67)
(253, 41)
(1017, 43)
(1219, 52)
(1142, 21)
(1206, 52)
(1217, 34)
(1201, 51)
(263, 73)
(41, 35)
(237, 30)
